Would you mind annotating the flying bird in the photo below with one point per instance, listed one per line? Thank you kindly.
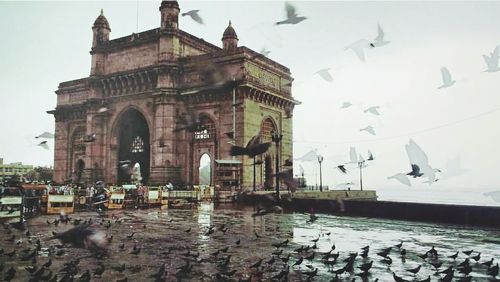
(89, 138)
(82, 236)
(368, 129)
(253, 148)
(370, 156)
(102, 110)
(264, 52)
(291, 15)
(353, 156)
(447, 80)
(453, 168)
(492, 60)
(415, 171)
(419, 158)
(379, 40)
(190, 122)
(373, 110)
(44, 145)
(194, 15)
(401, 178)
(46, 135)
(342, 169)
(287, 177)
(346, 105)
(495, 195)
(309, 156)
(358, 48)
(325, 74)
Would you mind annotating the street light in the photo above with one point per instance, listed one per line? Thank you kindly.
(276, 137)
(361, 163)
(320, 160)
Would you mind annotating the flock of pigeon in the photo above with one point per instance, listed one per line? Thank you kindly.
(126, 246)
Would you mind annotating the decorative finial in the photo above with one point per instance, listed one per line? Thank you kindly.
(102, 12)
(229, 22)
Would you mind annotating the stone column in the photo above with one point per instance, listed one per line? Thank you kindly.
(61, 148)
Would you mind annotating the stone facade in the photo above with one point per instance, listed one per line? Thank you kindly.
(156, 77)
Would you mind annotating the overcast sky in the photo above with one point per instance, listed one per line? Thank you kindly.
(44, 43)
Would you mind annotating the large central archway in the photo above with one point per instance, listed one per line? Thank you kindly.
(133, 144)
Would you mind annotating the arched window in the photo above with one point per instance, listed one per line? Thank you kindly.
(77, 142)
(137, 145)
(266, 129)
(207, 131)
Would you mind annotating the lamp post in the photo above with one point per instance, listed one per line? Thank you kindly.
(360, 164)
(276, 137)
(320, 160)
(254, 188)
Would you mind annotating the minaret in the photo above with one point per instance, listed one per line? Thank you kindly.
(230, 39)
(169, 14)
(101, 32)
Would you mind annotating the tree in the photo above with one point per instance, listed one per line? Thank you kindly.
(44, 173)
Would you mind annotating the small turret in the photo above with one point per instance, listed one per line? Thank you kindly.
(230, 39)
(101, 30)
(169, 14)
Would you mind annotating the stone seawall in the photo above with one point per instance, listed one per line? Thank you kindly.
(463, 215)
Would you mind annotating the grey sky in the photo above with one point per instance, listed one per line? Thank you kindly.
(44, 43)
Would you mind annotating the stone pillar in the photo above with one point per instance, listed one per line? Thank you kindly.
(61, 148)
(164, 161)
(94, 151)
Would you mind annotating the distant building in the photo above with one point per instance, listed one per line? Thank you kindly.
(143, 86)
(9, 170)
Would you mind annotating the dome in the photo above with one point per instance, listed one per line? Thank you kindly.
(169, 4)
(229, 33)
(101, 21)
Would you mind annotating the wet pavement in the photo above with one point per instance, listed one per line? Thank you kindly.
(175, 237)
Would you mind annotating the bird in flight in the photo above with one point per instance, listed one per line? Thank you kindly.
(46, 135)
(446, 76)
(353, 156)
(418, 159)
(264, 52)
(102, 110)
(346, 105)
(359, 47)
(89, 138)
(370, 156)
(291, 15)
(379, 40)
(415, 171)
(492, 60)
(342, 169)
(194, 15)
(373, 110)
(453, 168)
(401, 178)
(368, 129)
(325, 74)
(495, 195)
(309, 156)
(44, 145)
(253, 148)
(190, 122)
